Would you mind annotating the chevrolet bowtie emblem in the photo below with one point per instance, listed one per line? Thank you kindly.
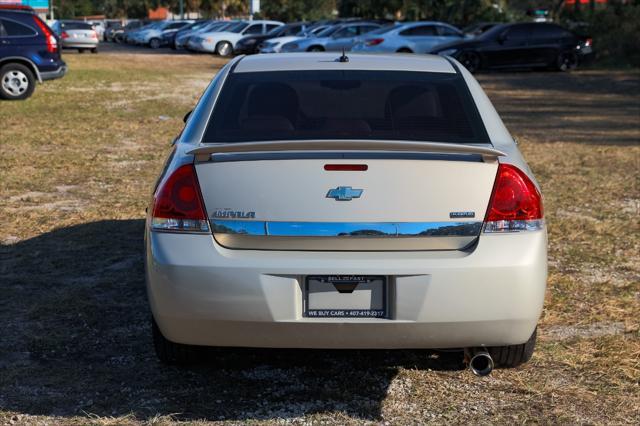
(344, 193)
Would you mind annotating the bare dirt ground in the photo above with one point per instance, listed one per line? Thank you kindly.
(77, 162)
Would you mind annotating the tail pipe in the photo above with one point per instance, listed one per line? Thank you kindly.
(480, 362)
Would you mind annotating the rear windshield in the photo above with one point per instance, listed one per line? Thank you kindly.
(75, 26)
(392, 105)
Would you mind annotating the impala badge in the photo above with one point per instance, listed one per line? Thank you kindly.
(459, 215)
(344, 193)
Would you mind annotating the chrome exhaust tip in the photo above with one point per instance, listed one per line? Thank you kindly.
(481, 364)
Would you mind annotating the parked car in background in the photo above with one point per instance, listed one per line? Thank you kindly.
(250, 44)
(335, 38)
(183, 38)
(169, 37)
(223, 42)
(120, 36)
(478, 28)
(521, 45)
(131, 37)
(111, 27)
(153, 34)
(274, 45)
(29, 52)
(411, 37)
(378, 203)
(99, 27)
(77, 35)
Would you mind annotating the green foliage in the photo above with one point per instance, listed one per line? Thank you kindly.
(297, 10)
(614, 29)
(461, 12)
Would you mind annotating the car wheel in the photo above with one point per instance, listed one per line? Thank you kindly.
(80, 50)
(513, 355)
(567, 61)
(404, 50)
(94, 50)
(17, 82)
(470, 60)
(224, 48)
(154, 43)
(315, 49)
(174, 353)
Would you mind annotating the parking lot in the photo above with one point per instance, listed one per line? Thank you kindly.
(78, 163)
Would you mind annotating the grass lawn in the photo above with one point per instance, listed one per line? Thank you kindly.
(77, 163)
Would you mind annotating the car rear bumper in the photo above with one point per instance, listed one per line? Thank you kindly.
(203, 294)
(80, 44)
(52, 75)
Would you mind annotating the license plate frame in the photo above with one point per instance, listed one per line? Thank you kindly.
(366, 282)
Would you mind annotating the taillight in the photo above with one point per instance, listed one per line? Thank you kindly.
(374, 41)
(177, 203)
(588, 42)
(516, 203)
(52, 42)
(64, 35)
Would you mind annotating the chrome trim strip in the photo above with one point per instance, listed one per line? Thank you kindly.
(346, 229)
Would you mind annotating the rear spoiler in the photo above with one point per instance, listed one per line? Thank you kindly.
(204, 152)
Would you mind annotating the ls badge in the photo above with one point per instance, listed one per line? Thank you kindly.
(344, 193)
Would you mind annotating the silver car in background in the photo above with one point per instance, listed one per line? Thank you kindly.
(412, 37)
(317, 202)
(183, 38)
(77, 35)
(333, 39)
(274, 45)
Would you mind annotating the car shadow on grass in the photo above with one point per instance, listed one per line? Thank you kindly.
(77, 341)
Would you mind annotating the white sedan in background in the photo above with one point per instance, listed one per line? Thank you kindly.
(325, 201)
(410, 37)
(223, 42)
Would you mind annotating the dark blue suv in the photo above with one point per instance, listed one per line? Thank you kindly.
(29, 52)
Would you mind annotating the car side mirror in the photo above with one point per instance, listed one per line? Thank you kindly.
(186, 116)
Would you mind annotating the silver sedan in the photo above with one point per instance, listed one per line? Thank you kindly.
(412, 37)
(333, 39)
(317, 202)
(77, 35)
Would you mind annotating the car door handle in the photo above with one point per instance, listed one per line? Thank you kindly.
(4, 42)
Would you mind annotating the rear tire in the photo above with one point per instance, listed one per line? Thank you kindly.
(94, 50)
(224, 48)
(174, 353)
(315, 49)
(513, 355)
(471, 61)
(17, 82)
(404, 50)
(567, 61)
(80, 50)
(154, 43)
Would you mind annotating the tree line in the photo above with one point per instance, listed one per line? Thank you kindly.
(458, 11)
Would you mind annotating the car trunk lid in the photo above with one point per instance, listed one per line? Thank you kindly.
(348, 200)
